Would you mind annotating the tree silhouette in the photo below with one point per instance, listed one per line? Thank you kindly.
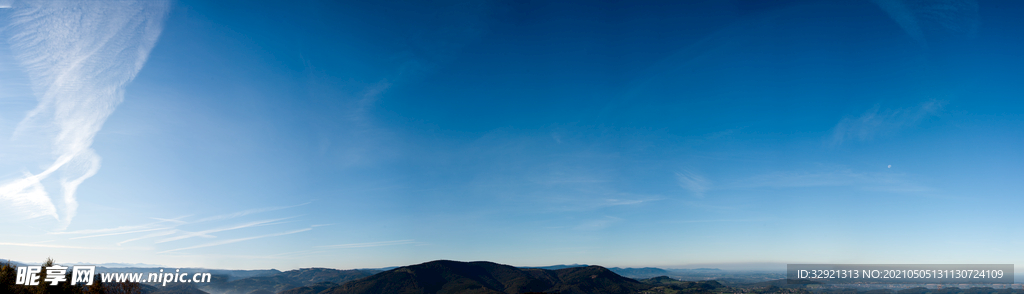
(8, 275)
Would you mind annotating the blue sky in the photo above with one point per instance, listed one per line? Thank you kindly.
(248, 135)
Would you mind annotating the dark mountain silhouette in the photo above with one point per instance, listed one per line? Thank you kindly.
(629, 272)
(660, 280)
(445, 276)
(594, 279)
(312, 289)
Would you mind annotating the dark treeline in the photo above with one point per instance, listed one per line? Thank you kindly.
(8, 275)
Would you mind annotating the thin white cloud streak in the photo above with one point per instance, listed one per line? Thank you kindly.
(168, 226)
(303, 252)
(370, 244)
(120, 228)
(918, 17)
(226, 256)
(902, 15)
(44, 245)
(697, 184)
(177, 221)
(236, 240)
(330, 248)
(875, 122)
(120, 233)
(617, 202)
(79, 56)
(883, 182)
(207, 232)
(248, 212)
(715, 221)
(598, 224)
(170, 220)
(153, 235)
(585, 203)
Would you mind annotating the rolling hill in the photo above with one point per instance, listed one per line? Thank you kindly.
(445, 276)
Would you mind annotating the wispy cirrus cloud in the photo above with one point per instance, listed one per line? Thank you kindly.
(329, 248)
(28, 196)
(618, 202)
(715, 221)
(235, 227)
(873, 181)
(120, 233)
(248, 212)
(876, 121)
(694, 182)
(170, 223)
(79, 56)
(235, 240)
(170, 227)
(598, 224)
(44, 245)
(158, 223)
(153, 235)
(371, 244)
(919, 17)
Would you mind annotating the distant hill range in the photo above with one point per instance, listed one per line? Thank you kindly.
(629, 272)
(481, 277)
(703, 269)
(556, 267)
(13, 263)
(275, 283)
(454, 277)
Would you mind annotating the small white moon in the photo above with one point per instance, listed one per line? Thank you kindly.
(890, 166)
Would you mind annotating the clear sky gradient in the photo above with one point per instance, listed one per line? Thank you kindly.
(356, 134)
